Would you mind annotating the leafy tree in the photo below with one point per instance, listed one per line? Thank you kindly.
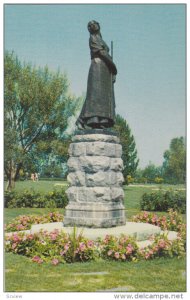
(127, 140)
(37, 106)
(174, 166)
(151, 172)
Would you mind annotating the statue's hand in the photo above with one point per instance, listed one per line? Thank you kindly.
(108, 60)
(113, 78)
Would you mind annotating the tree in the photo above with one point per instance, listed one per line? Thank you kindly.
(174, 166)
(151, 172)
(127, 140)
(35, 113)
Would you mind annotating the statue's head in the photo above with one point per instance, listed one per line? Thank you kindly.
(93, 27)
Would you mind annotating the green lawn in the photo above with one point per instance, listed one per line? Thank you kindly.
(159, 275)
(41, 185)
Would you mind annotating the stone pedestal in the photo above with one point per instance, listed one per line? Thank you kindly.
(95, 177)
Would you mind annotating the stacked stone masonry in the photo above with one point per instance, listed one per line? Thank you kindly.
(95, 178)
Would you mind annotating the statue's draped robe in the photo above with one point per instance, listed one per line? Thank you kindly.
(99, 107)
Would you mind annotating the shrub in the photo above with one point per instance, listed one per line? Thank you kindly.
(30, 198)
(54, 247)
(159, 180)
(130, 179)
(162, 201)
(162, 247)
(120, 249)
(25, 222)
(173, 221)
(58, 247)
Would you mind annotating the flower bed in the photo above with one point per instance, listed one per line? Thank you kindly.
(25, 222)
(58, 247)
(173, 221)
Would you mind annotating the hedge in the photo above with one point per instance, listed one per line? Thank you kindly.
(164, 200)
(30, 198)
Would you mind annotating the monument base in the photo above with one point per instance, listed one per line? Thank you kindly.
(94, 215)
(95, 193)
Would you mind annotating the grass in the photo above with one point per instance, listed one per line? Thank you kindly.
(11, 213)
(159, 275)
(133, 194)
(40, 186)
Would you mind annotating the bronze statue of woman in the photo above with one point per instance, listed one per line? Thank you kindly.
(99, 107)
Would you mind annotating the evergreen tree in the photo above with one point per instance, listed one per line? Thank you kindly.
(129, 154)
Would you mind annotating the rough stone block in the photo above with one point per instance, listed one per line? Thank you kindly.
(73, 164)
(89, 194)
(92, 164)
(96, 179)
(95, 193)
(76, 178)
(77, 149)
(95, 137)
(118, 150)
(95, 148)
(120, 178)
(117, 194)
(116, 164)
(109, 178)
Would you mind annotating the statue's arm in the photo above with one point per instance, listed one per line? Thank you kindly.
(108, 60)
(97, 47)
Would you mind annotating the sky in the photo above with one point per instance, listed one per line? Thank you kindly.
(149, 52)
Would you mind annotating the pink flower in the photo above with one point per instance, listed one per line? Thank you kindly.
(90, 244)
(62, 253)
(151, 252)
(55, 261)
(122, 241)
(19, 227)
(82, 246)
(123, 256)
(110, 252)
(37, 259)
(155, 248)
(16, 238)
(147, 255)
(116, 255)
(145, 215)
(66, 247)
(14, 245)
(154, 219)
(53, 236)
(162, 243)
(129, 249)
(30, 236)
